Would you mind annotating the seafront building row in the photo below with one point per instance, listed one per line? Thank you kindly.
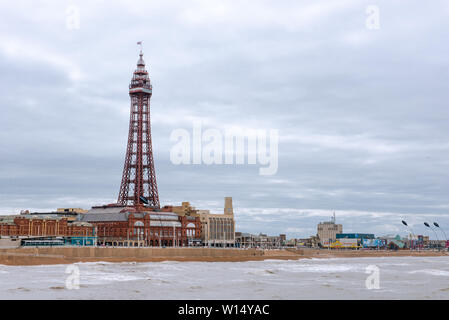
(175, 226)
(122, 226)
(330, 235)
(128, 226)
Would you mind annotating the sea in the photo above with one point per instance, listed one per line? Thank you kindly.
(336, 278)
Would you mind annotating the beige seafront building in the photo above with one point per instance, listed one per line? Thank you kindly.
(217, 230)
(327, 231)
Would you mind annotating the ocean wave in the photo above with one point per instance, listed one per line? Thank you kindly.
(433, 272)
(402, 278)
(92, 278)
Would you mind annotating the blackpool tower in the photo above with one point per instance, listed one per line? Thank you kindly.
(138, 185)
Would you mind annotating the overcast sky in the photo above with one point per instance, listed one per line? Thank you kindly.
(362, 113)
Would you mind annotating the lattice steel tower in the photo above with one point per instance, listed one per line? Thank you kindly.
(139, 176)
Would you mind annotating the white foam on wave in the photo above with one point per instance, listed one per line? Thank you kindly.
(320, 268)
(102, 278)
(433, 272)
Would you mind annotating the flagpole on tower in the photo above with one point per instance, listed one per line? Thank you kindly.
(140, 43)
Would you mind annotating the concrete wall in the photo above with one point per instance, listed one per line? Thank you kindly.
(62, 255)
(8, 243)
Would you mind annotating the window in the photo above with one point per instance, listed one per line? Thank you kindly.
(138, 228)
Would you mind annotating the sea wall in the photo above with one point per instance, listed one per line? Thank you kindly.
(8, 243)
(65, 255)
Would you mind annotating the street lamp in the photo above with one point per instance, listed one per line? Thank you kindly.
(436, 235)
(411, 230)
(438, 226)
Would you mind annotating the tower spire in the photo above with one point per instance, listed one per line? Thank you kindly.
(139, 177)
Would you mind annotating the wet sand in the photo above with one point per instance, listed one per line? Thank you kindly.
(49, 256)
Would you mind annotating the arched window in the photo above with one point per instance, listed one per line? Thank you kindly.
(191, 229)
(138, 228)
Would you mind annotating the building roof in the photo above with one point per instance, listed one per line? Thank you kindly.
(53, 213)
(104, 217)
(112, 215)
(243, 234)
(106, 209)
